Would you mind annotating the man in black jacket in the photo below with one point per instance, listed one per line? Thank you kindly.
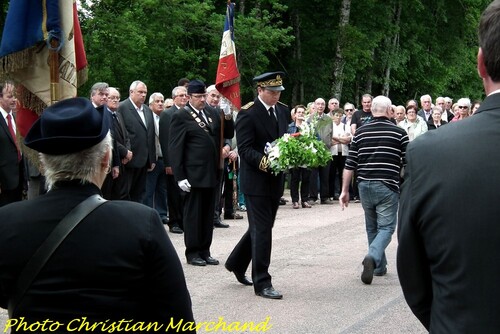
(259, 122)
(448, 252)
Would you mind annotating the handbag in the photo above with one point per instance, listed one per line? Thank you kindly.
(49, 246)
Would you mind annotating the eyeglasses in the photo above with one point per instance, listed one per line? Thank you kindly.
(181, 95)
(199, 96)
(114, 98)
(411, 112)
(462, 107)
(349, 110)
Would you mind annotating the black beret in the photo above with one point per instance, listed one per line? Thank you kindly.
(68, 126)
(196, 87)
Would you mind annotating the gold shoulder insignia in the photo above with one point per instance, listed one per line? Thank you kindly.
(246, 106)
(264, 164)
(282, 104)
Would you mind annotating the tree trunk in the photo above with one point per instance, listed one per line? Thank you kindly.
(393, 50)
(298, 85)
(338, 66)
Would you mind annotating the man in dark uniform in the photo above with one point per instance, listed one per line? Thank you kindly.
(194, 154)
(259, 122)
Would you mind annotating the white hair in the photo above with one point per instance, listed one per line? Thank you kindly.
(464, 101)
(82, 165)
(154, 95)
(381, 105)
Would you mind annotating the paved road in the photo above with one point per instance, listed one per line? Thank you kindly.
(316, 264)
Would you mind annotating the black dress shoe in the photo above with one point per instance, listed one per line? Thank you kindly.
(197, 261)
(165, 221)
(175, 229)
(269, 293)
(211, 261)
(220, 224)
(368, 268)
(282, 201)
(240, 277)
(233, 216)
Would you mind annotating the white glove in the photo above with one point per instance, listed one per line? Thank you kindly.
(227, 110)
(184, 185)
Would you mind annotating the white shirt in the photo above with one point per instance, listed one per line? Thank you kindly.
(341, 130)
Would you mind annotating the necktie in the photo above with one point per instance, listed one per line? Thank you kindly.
(202, 116)
(272, 119)
(13, 135)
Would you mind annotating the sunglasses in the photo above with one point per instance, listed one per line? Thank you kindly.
(349, 109)
(462, 107)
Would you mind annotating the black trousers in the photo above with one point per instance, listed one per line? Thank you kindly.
(198, 222)
(324, 188)
(336, 170)
(255, 245)
(175, 203)
(300, 175)
(136, 181)
(113, 189)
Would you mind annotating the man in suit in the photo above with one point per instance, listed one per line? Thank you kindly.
(175, 197)
(11, 164)
(194, 154)
(448, 252)
(115, 185)
(259, 122)
(156, 181)
(118, 263)
(138, 119)
(426, 111)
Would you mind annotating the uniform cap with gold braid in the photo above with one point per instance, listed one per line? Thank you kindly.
(270, 80)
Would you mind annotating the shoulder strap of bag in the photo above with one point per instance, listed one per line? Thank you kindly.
(49, 246)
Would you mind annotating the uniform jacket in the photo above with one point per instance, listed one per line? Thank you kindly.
(194, 152)
(118, 263)
(142, 138)
(449, 249)
(9, 166)
(253, 131)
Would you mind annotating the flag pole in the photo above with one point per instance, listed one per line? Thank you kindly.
(54, 70)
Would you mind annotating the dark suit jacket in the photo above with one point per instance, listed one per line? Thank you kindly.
(194, 153)
(421, 113)
(118, 263)
(431, 126)
(164, 133)
(142, 139)
(9, 166)
(120, 134)
(449, 249)
(253, 131)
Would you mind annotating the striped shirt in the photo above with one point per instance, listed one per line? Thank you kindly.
(377, 152)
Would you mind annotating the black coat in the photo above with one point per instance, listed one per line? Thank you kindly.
(142, 138)
(449, 249)
(193, 152)
(253, 131)
(118, 263)
(9, 164)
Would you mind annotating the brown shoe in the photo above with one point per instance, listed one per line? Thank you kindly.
(306, 205)
(296, 205)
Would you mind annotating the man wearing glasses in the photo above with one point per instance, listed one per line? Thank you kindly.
(194, 155)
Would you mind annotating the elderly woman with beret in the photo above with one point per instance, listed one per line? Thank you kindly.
(116, 264)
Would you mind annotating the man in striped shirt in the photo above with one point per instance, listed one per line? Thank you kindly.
(377, 153)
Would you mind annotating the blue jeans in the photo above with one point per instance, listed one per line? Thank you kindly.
(381, 206)
(156, 189)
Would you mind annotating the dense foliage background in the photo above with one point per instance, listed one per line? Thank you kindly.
(342, 48)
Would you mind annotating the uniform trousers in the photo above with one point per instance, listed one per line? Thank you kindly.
(256, 243)
(198, 222)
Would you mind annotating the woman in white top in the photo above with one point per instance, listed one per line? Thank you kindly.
(413, 124)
